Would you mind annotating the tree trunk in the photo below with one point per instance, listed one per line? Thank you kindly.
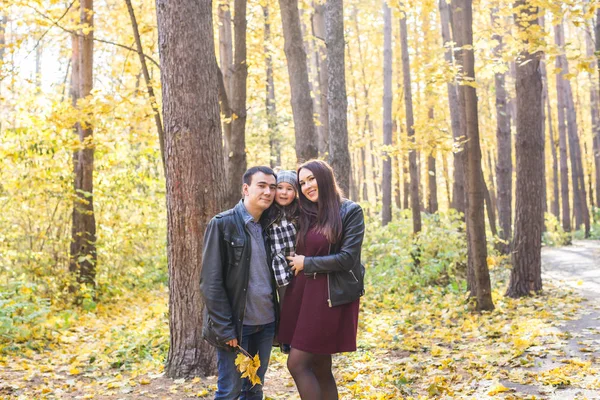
(526, 274)
(83, 242)
(193, 161)
(504, 167)
(562, 140)
(144, 65)
(554, 205)
(597, 127)
(386, 184)
(302, 104)
(274, 142)
(595, 111)
(475, 185)
(39, 49)
(318, 28)
(458, 184)
(226, 63)
(237, 101)
(432, 200)
(339, 155)
(410, 129)
(579, 197)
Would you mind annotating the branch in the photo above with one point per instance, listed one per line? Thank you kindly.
(56, 23)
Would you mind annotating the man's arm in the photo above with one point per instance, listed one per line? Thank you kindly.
(212, 286)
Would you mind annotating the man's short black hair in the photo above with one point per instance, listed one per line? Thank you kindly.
(247, 179)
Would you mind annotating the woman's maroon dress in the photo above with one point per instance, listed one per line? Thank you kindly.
(307, 321)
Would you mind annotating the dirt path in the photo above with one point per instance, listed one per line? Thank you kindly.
(578, 267)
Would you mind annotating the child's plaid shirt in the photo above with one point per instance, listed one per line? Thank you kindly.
(283, 244)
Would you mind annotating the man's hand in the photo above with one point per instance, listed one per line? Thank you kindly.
(233, 343)
(296, 263)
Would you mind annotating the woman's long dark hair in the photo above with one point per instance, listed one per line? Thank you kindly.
(324, 215)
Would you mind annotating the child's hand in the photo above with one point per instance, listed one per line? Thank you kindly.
(296, 263)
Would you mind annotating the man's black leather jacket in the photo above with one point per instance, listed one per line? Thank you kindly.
(345, 272)
(224, 277)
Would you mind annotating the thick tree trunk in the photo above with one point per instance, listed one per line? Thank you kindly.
(386, 184)
(458, 184)
(193, 161)
(410, 129)
(302, 104)
(274, 142)
(504, 167)
(318, 28)
(475, 185)
(83, 242)
(339, 155)
(146, 73)
(526, 277)
(237, 101)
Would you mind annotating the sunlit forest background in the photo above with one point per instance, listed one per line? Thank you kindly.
(42, 295)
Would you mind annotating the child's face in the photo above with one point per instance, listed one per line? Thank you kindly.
(285, 194)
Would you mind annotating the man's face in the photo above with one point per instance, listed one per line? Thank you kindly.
(261, 191)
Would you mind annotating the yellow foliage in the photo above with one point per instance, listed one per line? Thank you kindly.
(248, 366)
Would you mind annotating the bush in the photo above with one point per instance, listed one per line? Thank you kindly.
(22, 313)
(437, 257)
(554, 235)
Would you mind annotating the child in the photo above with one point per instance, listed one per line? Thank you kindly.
(282, 228)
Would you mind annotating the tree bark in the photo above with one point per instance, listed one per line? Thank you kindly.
(144, 65)
(302, 104)
(193, 162)
(595, 111)
(597, 128)
(318, 28)
(526, 274)
(339, 155)
(226, 63)
(562, 141)
(237, 101)
(554, 204)
(579, 197)
(432, 200)
(415, 201)
(386, 183)
(83, 242)
(475, 185)
(274, 142)
(458, 184)
(504, 167)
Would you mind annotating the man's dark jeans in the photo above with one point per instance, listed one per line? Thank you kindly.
(230, 385)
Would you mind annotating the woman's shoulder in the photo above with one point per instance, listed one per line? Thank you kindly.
(349, 207)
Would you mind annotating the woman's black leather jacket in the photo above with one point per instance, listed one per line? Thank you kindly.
(345, 272)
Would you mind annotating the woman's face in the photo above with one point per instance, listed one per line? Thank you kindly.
(285, 194)
(308, 185)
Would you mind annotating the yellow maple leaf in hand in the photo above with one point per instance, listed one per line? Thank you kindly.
(248, 366)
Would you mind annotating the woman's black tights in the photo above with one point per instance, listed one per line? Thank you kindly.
(312, 374)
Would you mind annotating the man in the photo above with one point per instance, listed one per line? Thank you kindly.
(238, 286)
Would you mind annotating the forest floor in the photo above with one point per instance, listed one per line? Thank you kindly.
(422, 344)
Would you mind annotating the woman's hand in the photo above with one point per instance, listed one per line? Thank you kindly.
(296, 263)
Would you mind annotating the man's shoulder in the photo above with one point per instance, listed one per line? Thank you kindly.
(225, 214)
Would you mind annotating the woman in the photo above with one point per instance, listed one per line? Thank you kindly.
(320, 312)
